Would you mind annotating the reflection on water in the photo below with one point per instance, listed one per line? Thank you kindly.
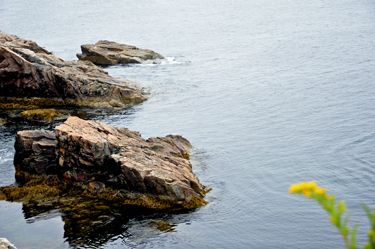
(87, 222)
(93, 223)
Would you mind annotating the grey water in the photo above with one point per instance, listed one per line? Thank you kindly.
(269, 93)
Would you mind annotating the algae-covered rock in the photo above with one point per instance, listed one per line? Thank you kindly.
(42, 114)
(27, 70)
(95, 160)
(16, 103)
(99, 177)
(111, 53)
(163, 225)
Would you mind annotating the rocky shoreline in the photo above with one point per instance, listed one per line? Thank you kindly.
(111, 172)
(30, 72)
(96, 177)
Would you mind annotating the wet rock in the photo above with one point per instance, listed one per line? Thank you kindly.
(111, 53)
(5, 244)
(43, 114)
(35, 153)
(96, 160)
(29, 71)
(97, 155)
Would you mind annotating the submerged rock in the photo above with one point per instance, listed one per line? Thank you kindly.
(109, 162)
(111, 53)
(29, 71)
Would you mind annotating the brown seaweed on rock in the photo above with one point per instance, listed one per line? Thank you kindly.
(95, 161)
(43, 114)
(47, 189)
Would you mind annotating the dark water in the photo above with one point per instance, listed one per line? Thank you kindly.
(268, 92)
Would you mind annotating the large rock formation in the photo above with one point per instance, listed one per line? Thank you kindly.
(29, 71)
(97, 157)
(35, 152)
(110, 53)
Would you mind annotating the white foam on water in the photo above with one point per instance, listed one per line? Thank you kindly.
(165, 61)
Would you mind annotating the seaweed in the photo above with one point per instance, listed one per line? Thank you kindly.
(37, 188)
(163, 225)
(43, 114)
(29, 103)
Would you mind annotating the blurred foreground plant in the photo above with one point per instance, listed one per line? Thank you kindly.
(336, 211)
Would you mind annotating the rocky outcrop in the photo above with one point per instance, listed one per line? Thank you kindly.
(95, 154)
(111, 53)
(29, 71)
(35, 152)
(112, 162)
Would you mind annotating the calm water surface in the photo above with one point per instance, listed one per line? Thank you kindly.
(268, 92)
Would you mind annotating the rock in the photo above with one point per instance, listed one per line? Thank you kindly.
(112, 162)
(111, 53)
(35, 153)
(42, 114)
(5, 244)
(96, 155)
(30, 72)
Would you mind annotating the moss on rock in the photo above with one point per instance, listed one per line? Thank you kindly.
(29, 103)
(43, 188)
(42, 114)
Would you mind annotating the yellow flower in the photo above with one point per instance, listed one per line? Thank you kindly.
(307, 193)
(295, 188)
(298, 187)
(311, 185)
(320, 191)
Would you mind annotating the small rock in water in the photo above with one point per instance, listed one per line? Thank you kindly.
(5, 244)
(111, 53)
